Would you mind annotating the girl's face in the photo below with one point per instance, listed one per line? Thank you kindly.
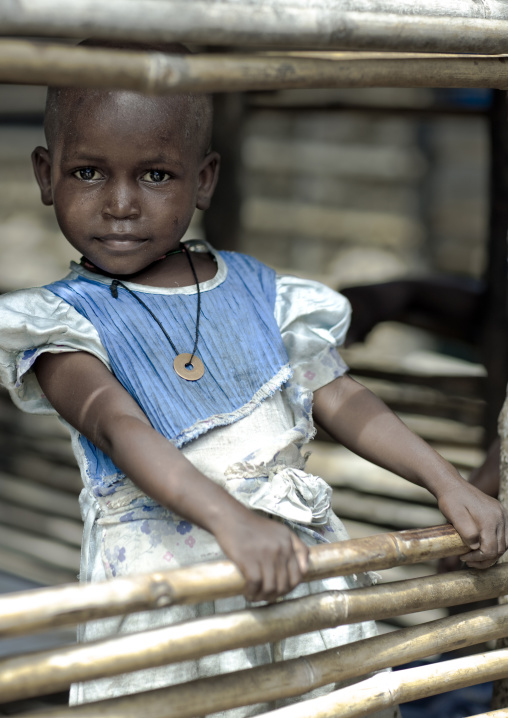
(124, 176)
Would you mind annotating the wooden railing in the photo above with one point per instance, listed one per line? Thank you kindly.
(46, 672)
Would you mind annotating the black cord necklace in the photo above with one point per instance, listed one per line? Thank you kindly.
(187, 366)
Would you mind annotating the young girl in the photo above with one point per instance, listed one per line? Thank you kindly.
(189, 380)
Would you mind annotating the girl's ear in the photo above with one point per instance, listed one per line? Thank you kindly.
(208, 176)
(41, 162)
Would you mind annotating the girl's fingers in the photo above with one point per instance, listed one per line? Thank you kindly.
(272, 566)
(488, 552)
(289, 573)
(469, 531)
(479, 563)
(294, 572)
(270, 587)
(253, 581)
(501, 538)
(302, 555)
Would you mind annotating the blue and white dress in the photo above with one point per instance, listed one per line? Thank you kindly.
(267, 343)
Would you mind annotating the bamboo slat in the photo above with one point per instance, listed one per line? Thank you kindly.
(51, 671)
(444, 430)
(33, 569)
(466, 385)
(47, 551)
(297, 676)
(33, 522)
(427, 401)
(57, 476)
(64, 605)
(342, 469)
(320, 25)
(36, 63)
(384, 512)
(386, 690)
(42, 498)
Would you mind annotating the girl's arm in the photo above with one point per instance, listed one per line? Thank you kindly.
(82, 390)
(363, 423)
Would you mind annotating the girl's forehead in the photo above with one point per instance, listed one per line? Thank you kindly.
(126, 109)
(99, 115)
(73, 111)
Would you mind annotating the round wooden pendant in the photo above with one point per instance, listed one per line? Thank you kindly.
(190, 372)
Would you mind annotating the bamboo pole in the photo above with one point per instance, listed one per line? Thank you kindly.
(502, 713)
(294, 677)
(330, 25)
(385, 690)
(46, 608)
(54, 670)
(26, 62)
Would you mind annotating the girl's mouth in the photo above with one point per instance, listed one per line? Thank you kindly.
(121, 241)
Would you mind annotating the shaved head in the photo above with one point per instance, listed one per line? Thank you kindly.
(195, 111)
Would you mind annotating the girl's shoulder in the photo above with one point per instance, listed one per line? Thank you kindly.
(34, 321)
(24, 311)
(313, 321)
(301, 299)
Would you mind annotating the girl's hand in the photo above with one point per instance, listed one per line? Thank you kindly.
(481, 521)
(272, 559)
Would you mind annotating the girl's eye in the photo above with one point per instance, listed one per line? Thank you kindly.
(87, 173)
(156, 176)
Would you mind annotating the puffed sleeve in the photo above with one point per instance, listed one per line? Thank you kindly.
(32, 322)
(313, 320)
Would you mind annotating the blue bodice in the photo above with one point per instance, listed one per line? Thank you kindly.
(239, 343)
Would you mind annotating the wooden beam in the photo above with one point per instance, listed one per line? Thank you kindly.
(50, 671)
(25, 62)
(495, 331)
(293, 677)
(336, 24)
(500, 689)
(38, 610)
(385, 690)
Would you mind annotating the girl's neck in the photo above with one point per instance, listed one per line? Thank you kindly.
(87, 264)
(169, 271)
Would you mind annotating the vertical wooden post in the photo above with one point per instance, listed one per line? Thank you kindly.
(496, 334)
(495, 342)
(500, 691)
(222, 220)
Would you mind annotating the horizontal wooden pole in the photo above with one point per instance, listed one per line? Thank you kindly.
(43, 609)
(278, 24)
(387, 690)
(297, 676)
(27, 62)
(501, 713)
(54, 670)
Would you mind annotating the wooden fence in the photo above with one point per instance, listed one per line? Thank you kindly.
(297, 44)
(53, 670)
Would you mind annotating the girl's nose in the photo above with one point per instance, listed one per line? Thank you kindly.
(121, 201)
